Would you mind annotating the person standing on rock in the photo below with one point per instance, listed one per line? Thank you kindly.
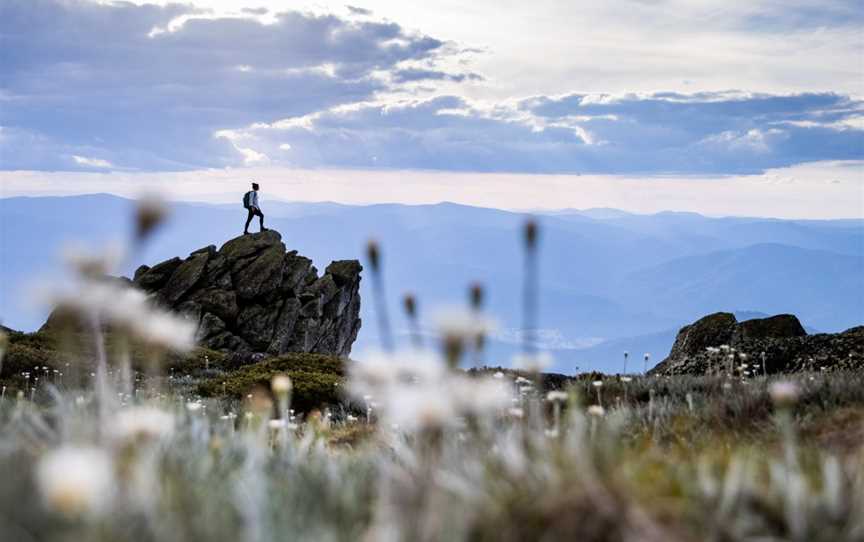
(250, 202)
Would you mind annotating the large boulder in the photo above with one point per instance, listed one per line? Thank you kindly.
(775, 344)
(712, 330)
(251, 296)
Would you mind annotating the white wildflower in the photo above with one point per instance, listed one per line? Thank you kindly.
(142, 423)
(556, 396)
(516, 412)
(784, 393)
(281, 384)
(596, 410)
(277, 424)
(76, 481)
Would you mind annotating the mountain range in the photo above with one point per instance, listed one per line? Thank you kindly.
(610, 281)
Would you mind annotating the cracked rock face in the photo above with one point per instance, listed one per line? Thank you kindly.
(780, 342)
(253, 296)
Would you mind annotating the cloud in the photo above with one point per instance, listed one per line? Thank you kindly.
(418, 74)
(91, 162)
(147, 86)
(354, 10)
(174, 87)
(659, 133)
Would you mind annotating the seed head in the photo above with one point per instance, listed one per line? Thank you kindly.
(409, 302)
(150, 212)
(373, 254)
(476, 295)
(530, 233)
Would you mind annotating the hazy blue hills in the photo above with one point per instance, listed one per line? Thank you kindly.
(611, 281)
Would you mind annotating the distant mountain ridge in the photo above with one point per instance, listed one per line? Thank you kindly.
(620, 279)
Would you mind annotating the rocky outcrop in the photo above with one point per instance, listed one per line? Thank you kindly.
(253, 296)
(780, 340)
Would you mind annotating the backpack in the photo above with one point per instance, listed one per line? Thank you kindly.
(247, 199)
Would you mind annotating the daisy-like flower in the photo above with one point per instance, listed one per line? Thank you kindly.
(128, 309)
(76, 481)
(784, 393)
(596, 410)
(140, 424)
(556, 396)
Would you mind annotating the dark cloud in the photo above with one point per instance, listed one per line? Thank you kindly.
(417, 74)
(354, 10)
(84, 75)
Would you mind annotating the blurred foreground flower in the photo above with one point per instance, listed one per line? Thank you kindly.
(784, 394)
(129, 310)
(533, 363)
(92, 265)
(141, 424)
(76, 481)
(416, 391)
(149, 213)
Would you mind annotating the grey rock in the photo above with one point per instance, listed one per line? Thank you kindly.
(284, 328)
(262, 275)
(778, 344)
(153, 278)
(184, 278)
(255, 325)
(252, 297)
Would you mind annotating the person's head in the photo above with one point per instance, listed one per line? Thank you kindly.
(254, 186)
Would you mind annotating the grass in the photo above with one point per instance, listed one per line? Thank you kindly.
(693, 460)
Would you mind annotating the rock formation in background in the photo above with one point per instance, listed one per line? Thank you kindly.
(782, 340)
(253, 296)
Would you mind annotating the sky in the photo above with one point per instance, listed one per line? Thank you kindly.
(725, 108)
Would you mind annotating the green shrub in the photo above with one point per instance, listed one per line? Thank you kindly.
(316, 378)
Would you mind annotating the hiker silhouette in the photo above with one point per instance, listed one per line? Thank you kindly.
(250, 202)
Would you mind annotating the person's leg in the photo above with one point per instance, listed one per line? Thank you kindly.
(261, 220)
(248, 220)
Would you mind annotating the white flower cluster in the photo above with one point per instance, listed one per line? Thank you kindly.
(414, 391)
